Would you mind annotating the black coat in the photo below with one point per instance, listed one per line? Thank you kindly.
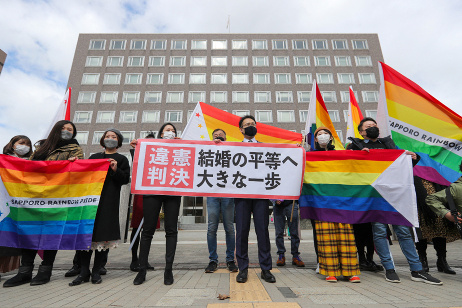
(107, 226)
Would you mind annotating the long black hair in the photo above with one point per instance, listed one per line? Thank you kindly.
(161, 130)
(53, 141)
(9, 148)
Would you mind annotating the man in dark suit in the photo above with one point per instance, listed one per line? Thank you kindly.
(244, 209)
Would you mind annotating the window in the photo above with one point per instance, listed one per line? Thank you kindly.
(151, 116)
(97, 137)
(346, 78)
(240, 78)
(138, 44)
(334, 115)
(370, 96)
(279, 44)
(157, 61)
(281, 61)
(261, 78)
(282, 78)
(130, 97)
(179, 44)
(174, 116)
(240, 97)
(241, 113)
(115, 61)
(303, 78)
(299, 44)
(82, 137)
(108, 97)
(196, 96)
(340, 135)
(199, 44)
(135, 61)
(90, 79)
(340, 44)
(158, 44)
(175, 97)
(259, 44)
(262, 97)
(239, 44)
(218, 96)
(322, 61)
(111, 79)
(329, 96)
(219, 61)
(198, 61)
(218, 79)
(360, 44)
(155, 79)
(345, 115)
(304, 96)
(240, 61)
(284, 97)
(342, 61)
(82, 116)
(133, 78)
(118, 44)
(366, 78)
(97, 44)
(264, 116)
(177, 61)
(345, 96)
(301, 61)
(219, 44)
(260, 61)
(152, 97)
(303, 114)
(371, 114)
(128, 136)
(105, 117)
(94, 61)
(190, 113)
(128, 116)
(176, 78)
(325, 78)
(286, 116)
(319, 44)
(363, 61)
(86, 97)
(197, 78)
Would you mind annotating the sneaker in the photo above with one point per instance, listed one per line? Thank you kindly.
(331, 279)
(391, 276)
(281, 260)
(422, 276)
(232, 266)
(298, 261)
(354, 279)
(211, 267)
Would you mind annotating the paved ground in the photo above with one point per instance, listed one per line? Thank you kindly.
(295, 287)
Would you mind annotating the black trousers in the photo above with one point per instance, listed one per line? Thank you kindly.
(364, 238)
(28, 257)
(84, 257)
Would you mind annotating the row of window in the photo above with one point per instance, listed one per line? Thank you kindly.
(156, 61)
(89, 97)
(201, 44)
(222, 78)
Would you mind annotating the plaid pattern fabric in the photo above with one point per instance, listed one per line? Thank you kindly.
(336, 249)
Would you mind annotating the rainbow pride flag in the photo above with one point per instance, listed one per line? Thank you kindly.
(318, 116)
(354, 117)
(49, 205)
(358, 187)
(205, 119)
(418, 122)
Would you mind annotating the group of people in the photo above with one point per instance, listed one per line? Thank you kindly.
(340, 248)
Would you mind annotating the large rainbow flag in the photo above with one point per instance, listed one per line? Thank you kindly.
(49, 205)
(354, 117)
(205, 119)
(420, 123)
(358, 187)
(318, 116)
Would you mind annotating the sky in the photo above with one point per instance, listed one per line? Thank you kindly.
(421, 39)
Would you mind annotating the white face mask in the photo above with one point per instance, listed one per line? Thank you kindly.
(22, 149)
(168, 135)
(323, 139)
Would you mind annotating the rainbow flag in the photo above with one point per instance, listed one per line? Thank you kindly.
(420, 123)
(318, 116)
(358, 187)
(49, 205)
(354, 117)
(205, 119)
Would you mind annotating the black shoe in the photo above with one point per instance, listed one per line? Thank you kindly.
(375, 267)
(424, 277)
(211, 267)
(267, 276)
(444, 267)
(242, 276)
(103, 271)
(74, 271)
(149, 267)
(140, 277)
(96, 278)
(135, 266)
(79, 280)
(168, 277)
(365, 265)
(232, 266)
(43, 276)
(23, 276)
(391, 276)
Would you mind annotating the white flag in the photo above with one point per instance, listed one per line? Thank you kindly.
(196, 129)
(63, 112)
(5, 200)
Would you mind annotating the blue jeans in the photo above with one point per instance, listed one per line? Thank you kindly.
(226, 207)
(405, 242)
(280, 213)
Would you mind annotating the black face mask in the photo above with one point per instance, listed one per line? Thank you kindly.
(250, 131)
(372, 132)
(220, 138)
